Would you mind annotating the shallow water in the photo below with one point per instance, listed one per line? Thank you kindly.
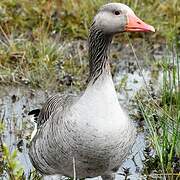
(16, 102)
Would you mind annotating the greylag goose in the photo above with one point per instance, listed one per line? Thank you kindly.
(88, 135)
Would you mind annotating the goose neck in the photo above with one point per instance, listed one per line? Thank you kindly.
(99, 43)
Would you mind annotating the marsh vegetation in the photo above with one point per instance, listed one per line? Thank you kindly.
(43, 50)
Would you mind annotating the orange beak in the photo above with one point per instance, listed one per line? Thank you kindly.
(137, 25)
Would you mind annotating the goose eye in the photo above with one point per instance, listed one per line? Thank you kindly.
(117, 12)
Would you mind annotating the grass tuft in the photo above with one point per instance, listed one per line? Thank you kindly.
(162, 116)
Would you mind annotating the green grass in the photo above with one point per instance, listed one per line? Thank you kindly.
(73, 17)
(32, 32)
(162, 116)
(41, 63)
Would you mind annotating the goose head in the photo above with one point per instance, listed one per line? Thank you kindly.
(116, 18)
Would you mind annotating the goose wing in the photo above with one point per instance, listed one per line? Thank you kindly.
(57, 101)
